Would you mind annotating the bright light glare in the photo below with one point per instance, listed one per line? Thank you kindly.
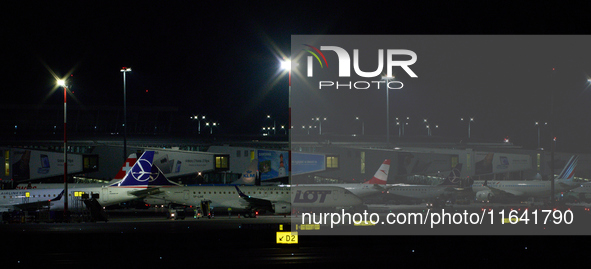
(61, 82)
(286, 65)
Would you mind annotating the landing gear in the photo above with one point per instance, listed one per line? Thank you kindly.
(250, 214)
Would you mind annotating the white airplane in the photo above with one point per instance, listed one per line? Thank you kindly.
(583, 190)
(428, 192)
(375, 185)
(133, 184)
(276, 199)
(507, 189)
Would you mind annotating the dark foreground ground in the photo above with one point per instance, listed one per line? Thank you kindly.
(153, 242)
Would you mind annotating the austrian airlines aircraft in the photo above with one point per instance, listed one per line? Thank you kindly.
(429, 192)
(375, 185)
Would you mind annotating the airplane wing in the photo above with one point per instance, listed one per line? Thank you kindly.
(254, 202)
(38, 204)
(379, 187)
(33, 205)
(145, 192)
(500, 193)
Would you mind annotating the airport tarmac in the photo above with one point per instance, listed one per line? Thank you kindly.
(156, 242)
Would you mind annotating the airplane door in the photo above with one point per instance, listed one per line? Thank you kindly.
(105, 195)
(186, 194)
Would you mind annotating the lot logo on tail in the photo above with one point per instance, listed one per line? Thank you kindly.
(310, 196)
(143, 171)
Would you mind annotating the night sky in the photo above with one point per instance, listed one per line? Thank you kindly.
(222, 60)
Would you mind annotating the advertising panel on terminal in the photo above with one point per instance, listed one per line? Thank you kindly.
(174, 164)
(35, 164)
(273, 164)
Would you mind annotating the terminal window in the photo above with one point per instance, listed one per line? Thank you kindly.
(332, 162)
(221, 162)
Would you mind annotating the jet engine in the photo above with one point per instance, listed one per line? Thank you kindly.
(484, 196)
(281, 207)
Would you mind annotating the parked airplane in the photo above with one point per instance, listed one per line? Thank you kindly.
(132, 185)
(583, 190)
(506, 189)
(377, 184)
(276, 199)
(429, 192)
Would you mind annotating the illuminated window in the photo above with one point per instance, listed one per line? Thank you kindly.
(362, 158)
(332, 162)
(221, 162)
(7, 163)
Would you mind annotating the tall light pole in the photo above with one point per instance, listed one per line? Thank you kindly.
(319, 123)
(62, 83)
(538, 124)
(286, 65)
(198, 118)
(213, 124)
(427, 125)
(387, 108)
(124, 70)
(471, 120)
(269, 117)
(362, 125)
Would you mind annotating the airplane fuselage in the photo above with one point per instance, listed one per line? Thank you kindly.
(358, 189)
(228, 196)
(525, 188)
(11, 199)
(418, 191)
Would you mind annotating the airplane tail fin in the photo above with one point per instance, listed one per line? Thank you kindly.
(568, 172)
(249, 176)
(454, 176)
(381, 176)
(129, 162)
(144, 173)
